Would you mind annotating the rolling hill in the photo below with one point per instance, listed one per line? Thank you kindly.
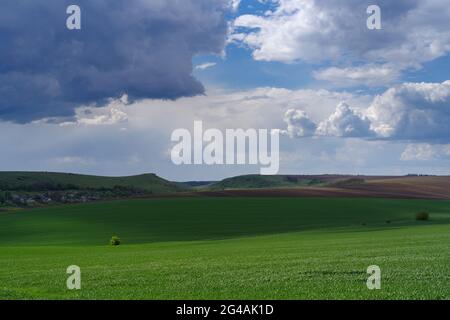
(49, 181)
(400, 187)
(259, 182)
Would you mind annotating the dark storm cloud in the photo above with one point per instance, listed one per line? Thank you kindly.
(140, 47)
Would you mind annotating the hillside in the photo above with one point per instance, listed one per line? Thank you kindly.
(425, 187)
(49, 181)
(31, 189)
(258, 182)
(400, 187)
(286, 181)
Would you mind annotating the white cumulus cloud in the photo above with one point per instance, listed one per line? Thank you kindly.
(412, 111)
(298, 124)
(111, 114)
(345, 122)
(418, 112)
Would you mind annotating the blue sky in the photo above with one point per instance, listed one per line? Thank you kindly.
(238, 70)
(105, 99)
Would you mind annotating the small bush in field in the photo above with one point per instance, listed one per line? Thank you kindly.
(115, 241)
(422, 216)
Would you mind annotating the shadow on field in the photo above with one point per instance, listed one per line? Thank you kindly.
(187, 219)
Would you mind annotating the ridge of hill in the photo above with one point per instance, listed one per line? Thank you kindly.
(260, 182)
(52, 181)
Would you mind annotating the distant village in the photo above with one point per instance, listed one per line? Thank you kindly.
(16, 199)
(35, 199)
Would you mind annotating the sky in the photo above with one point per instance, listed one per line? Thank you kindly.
(105, 99)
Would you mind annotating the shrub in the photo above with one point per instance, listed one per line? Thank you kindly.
(115, 241)
(422, 216)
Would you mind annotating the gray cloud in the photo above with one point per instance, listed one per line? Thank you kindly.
(141, 48)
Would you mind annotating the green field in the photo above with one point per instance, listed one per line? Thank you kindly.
(228, 248)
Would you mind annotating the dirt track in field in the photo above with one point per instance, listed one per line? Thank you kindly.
(376, 187)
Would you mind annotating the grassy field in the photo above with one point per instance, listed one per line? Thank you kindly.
(228, 248)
